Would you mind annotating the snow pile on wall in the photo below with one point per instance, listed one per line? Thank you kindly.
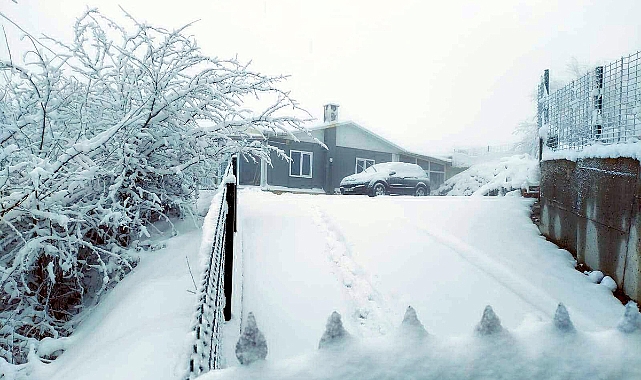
(596, 150)
(494, 178)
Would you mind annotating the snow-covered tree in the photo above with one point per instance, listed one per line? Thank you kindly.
(99, 138)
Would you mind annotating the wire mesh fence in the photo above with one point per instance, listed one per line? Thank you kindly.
(214, 291)
(603, 106)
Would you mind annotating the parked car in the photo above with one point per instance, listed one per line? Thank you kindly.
(388, 178)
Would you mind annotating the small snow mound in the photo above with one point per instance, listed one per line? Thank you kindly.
(609, 283)
(631, 320)
(229, 179)
(562, 320)
(595, 276)
(334, 333)
(251, 345)
(411, 326)
(490, 323)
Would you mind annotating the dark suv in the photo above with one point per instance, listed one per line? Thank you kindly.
(388, 178)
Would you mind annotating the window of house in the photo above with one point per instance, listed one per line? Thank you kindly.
(301, 164)
(362, 164)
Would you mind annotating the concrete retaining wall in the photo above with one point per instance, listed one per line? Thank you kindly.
(591, 208)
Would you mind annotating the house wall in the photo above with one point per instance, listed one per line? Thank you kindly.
(278, 174)
(304, 137)
(423, 164)
(248, 171)
(349, 136)
(403, 158)
(329, 137)
(591, 208)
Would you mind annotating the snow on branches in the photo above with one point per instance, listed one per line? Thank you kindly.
(99, 138)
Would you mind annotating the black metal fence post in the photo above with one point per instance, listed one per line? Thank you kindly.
(230, 228)
(541, 111)
(234, 164)
(598, 102)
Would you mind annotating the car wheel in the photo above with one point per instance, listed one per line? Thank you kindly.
(421, 191)
(378, 189)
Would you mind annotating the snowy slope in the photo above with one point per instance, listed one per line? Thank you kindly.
(139, 330)
(287, 278)
(447, 257)
(300, 257)
(494, 177)
(458, 254)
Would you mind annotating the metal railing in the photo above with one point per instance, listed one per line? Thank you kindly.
(488, 150)
(603, 105)
(214, 293)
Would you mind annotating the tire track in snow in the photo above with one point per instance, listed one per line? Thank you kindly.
(519, 286)
(369, 311)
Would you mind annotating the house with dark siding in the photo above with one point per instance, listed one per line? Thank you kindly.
(351, 148)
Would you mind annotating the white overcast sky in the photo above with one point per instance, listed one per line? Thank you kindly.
(429, 75)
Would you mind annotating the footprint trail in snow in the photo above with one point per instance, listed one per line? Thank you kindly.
(369, 311)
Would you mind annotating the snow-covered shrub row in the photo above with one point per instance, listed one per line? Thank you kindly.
(99, 138)
(552, 349)
(494, 178)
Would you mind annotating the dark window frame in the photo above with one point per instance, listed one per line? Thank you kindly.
(366, 160)
(301, 163)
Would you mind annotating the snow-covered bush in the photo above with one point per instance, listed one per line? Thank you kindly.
(251, 345)
(411, 326)
(490, 323)
(99, 138)
(562, 320)
(494, 178)
(631, 320)
(335, 334)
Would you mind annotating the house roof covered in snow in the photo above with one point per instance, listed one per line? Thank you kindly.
(301, 135)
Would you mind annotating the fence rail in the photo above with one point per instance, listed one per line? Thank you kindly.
(603, 105)
(214, 293)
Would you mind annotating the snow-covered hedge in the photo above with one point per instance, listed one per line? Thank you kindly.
(494, 178)
(99, 138)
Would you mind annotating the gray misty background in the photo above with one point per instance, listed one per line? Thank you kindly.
(429, 75)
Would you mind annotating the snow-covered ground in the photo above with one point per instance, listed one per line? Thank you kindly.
(301, 257)
(369, 258)
(140, 329)
(495, 177)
